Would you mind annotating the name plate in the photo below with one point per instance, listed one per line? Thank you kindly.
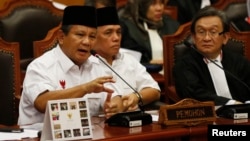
(187, 112)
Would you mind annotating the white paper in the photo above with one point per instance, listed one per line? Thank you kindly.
(35, 126)
(18, 136)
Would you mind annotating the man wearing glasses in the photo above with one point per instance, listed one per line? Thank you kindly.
(209, 72)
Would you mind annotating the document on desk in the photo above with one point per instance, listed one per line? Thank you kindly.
(27, 133)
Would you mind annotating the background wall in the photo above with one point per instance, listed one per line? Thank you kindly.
(70, 2)
(2, 2)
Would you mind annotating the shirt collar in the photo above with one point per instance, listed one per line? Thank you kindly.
(218, 58)
(117, 57)
(67, 64)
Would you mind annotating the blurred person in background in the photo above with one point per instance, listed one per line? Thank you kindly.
(188, 8)
(248, 12)
(143, 24)
(100, 3)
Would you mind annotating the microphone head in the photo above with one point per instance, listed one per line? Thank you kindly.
(187, 43)
(93, 52)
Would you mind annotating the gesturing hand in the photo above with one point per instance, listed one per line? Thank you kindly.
(97, 85)
(108, 107)
(112, 106)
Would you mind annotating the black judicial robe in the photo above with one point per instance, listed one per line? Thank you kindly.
(193, 80)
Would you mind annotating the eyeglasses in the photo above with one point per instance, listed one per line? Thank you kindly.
(212, 34)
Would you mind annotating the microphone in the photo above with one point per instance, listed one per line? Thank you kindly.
(188, 44)
(128, 119)
(227, 111)
(135, 92)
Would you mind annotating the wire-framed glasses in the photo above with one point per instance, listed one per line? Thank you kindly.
(210, 33)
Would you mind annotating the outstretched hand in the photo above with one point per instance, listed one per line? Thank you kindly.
(97, 85)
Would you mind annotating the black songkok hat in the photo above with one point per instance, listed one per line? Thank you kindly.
(80, 15)
(107, 16)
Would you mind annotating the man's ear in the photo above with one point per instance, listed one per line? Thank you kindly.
(60, 36)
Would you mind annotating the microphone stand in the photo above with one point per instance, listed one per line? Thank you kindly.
(140, 103)
(128, 119)
(228, 111)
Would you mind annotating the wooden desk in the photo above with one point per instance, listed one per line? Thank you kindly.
(153, 132)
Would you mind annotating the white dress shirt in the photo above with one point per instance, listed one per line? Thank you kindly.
(205, 3)
(219, 78)
(132, 71)
(156, 43)
(47, 72)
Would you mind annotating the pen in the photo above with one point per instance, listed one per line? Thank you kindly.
(11, 130)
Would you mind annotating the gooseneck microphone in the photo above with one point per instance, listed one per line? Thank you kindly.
(140, 103)
(127, 119)
(188, 44)
(228, 111)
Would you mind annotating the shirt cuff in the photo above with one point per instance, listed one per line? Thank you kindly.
(247, 102)
(231, 102)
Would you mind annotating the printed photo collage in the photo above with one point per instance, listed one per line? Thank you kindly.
(70, 119)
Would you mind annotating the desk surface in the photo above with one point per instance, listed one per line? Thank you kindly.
(151, 132)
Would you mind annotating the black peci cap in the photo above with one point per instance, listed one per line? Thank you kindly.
(107, 16)
(79, 15)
